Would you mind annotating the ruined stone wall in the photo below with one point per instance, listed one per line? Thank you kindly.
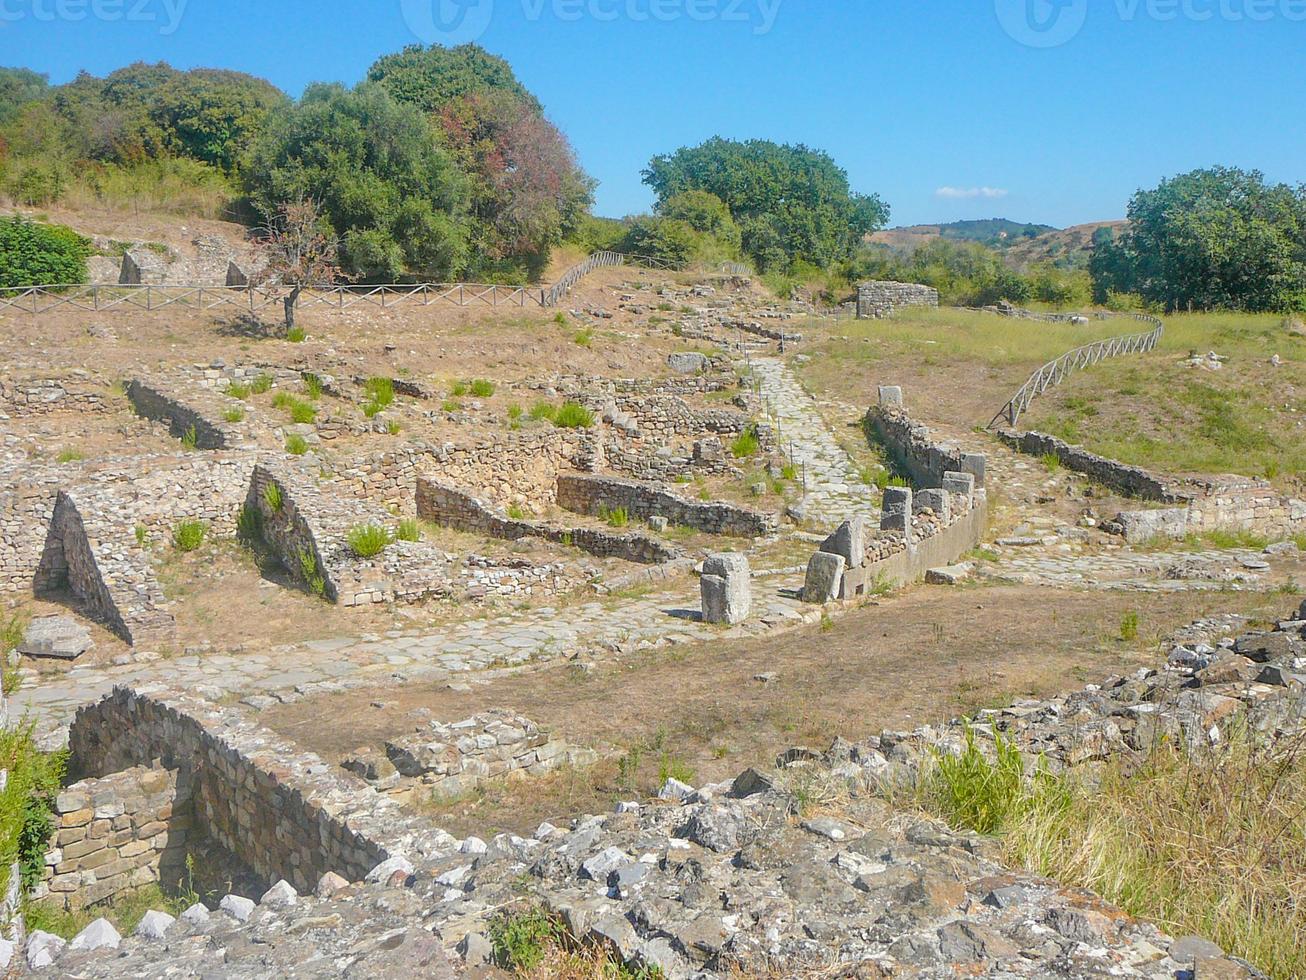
(915, 449)
(453, 759)
(596, 495)
(1131, 481)
(309, 534)
(1203, 504)
(37, 396)
(453, 508)
(116, 834)
(880, 299)
(284, 813)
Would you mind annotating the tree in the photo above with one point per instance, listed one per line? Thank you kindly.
(667, 239)
(526, 189)
(1220, 238)
(301, 252)
(792, 203)
(705, 213)
(18, 87)
(383, 184)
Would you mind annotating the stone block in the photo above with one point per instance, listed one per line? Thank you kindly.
(726, 589)
(962, 483)
(688, 362)
(824, 578)
(890, 396)
(974, 464)
(848, 540)
(896, 509)
(56, 636)
(936, 501)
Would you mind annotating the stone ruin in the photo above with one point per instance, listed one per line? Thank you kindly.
(877, 300)
(919, 530)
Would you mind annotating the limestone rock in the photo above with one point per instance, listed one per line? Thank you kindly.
(43, 948)
(688, 362)
(280, 895)
(154, 925)
(726, 589)
(237, 907)
(848, 540)
(56, 636)
(100, 934)
(824, 578)
(950, 575)
(329, 884)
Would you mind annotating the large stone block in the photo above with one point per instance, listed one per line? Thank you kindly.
(824, 578)
(896, 509)
(963, 483)
(936, 501)
(848, 540)
(726, 589)
(56, 636)
(890, 396)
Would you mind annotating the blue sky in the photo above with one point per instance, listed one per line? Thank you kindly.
(911, 97)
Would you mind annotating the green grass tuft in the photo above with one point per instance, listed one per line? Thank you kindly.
(368, 540)
(188, 535)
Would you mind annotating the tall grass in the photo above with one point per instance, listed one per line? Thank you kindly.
(171, 186)
(1210, 842)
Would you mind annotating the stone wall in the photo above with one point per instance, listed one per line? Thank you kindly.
(880, 299)
(914, 448)
(116, 584)
(309, 530)
(452, 759)
(153, 401)
(1131, 481)
(596, 495)
(116, 834)
(284, 813)
(37, 396)
(457, 509)
(892, 561)
(1203, 503)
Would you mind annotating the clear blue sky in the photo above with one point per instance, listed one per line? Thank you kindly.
(910, 96)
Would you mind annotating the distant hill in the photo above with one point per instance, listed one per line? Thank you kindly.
(1022, 243)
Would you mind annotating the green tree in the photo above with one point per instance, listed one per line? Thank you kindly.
(383, 184)
(1220, 238)
(18, 87)
(705, 213)
(667, 239)
(792, 203)
(433, 78)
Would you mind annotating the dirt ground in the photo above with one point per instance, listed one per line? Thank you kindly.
(924, 655)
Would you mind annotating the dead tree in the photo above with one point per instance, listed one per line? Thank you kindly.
(300, 252)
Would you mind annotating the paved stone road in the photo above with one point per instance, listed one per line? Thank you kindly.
(835, 491)
(503, 641)
(1138, 571)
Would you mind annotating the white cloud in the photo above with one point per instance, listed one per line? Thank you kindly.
(969, 193)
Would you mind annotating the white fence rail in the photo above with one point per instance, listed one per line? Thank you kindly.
(1053, 373)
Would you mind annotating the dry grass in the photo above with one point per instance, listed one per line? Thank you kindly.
(1209, 842)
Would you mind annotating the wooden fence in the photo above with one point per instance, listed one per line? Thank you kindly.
(43, 299)
(576, 273)
(1053, 373)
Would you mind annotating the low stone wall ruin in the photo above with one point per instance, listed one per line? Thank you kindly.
(308, 532)
(913, 446)
(876, 300)
(597, 495)
(118, 833)
(453, 759)
(37, 396)
(152, 401)
(1202, 504)
(284, 813)
(450, 507)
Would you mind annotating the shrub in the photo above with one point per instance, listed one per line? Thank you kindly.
(573, 415)
(392, 427)
(142, 535)
(302, 413)
(516, 512)
(1129, 627)
(249, 524)
(189, 535)
(482, 388)
(458, 389)
(40, 255)
(26, 803)
(543, 411)
(514, 412)
(451, 405)
(368, 540)
(746, 444)
(233, 415)
(238, 391)
(272, 497)
(190, 438)
(521, 941)
(312, 385)
(380, 391)
(296, 444)
(261, 384)
(408, 530)
(616, 517)
(296, 335)
(283, 399)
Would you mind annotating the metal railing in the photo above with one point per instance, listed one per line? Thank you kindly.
(1053, 373)
(146, 296)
